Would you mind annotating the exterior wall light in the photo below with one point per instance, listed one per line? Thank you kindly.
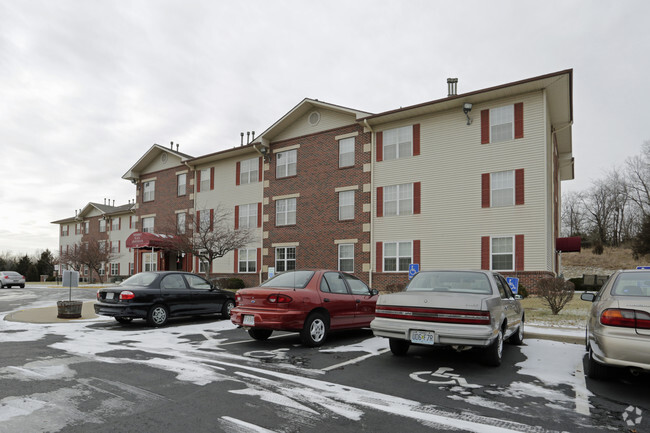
(467, 107)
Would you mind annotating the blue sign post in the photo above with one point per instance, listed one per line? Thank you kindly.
(514, 284)
(414, 268)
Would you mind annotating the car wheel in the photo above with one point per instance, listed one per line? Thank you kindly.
(518, 337)
(398, 347)
(22, 286)
(594, 369)
(124, 319)
(157, 315)
(494, 351)
(227, 306)
(315, 330)
(260, 334)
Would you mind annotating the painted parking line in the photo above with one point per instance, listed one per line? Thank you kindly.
(355, 360)
(580, 388)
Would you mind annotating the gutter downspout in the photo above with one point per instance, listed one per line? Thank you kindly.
(373, 251)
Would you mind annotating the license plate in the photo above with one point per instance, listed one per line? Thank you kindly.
(249, 320)
(422, 337)
(110, 295)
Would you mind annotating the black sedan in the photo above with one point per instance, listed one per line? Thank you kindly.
(157, 296)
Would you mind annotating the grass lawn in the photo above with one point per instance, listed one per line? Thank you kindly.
(573, 315)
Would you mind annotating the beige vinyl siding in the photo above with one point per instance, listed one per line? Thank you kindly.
(157, 164)
(328, 120)
(449, 168)
(124, 256)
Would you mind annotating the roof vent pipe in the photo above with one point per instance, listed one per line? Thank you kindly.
(242, 139)
(248, 137)
(176, 147)
(253, 136)
(171, 145)
(452, 86)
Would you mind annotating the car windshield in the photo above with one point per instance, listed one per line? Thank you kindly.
(141, 279)
(632, 284)
(451, 281)
(290, 280)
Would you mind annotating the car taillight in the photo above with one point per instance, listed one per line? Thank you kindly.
(278, 298)
(237, 298)
(625, 318)
(126, 295)
(7, 276)
(99, 298)
(434, 315)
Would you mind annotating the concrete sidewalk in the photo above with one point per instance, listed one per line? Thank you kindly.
(48, 314)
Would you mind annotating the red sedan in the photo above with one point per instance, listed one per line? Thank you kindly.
(310, 302)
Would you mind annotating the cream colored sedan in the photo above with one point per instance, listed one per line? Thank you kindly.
(451, 308)
(618, 327)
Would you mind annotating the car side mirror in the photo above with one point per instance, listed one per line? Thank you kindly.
(588, 297)
(374, 292)
(518, 297)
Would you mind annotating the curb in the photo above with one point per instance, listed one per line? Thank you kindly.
(48, 314)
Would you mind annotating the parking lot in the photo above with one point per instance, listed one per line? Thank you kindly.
(206, 375)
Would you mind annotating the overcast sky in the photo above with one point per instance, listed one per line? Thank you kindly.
(86, 87)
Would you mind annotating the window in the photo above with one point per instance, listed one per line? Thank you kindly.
(357, 287)
(173, 281)
(115, 247)
(102, 246)
(116, 224)
(285, 212)
(346, 152)
(101, 270)
(204, 220)
(286, 163)
(398, 199)
(502, 121)
(398, 143)
(149, 262)
(115, 269)
(203, 264)
(205, 179)
(249, 171)
(397, 256)
(503, 253)
(247, 216)
(285, 259)
(65, 230)
(86, 227)
(180, 223)
(333, 283)
(346, 205)
(131, 268)
(102, 225)
(346, 257)
(197, 283)
(181, 182)
(147, 224)
(149, 191)
(247, 258)
(503, 188)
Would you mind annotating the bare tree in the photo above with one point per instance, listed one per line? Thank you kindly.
(599, 203)
(638, 178)
(93, 253)
(573, 214)
(556, 292)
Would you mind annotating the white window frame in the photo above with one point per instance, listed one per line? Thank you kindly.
(181, 223)
(399, 254)
(397, 143)
(249, 171)
(115, 269)
(285, 212)
(502, 123)
(346, 205)
(115, 224)
(203, 266)
(286, 163)
(511, 253)
(398, 199)
(102, 225)
(114, 246)
(346, 253)
(148, 224)
(181, 187)
(248, 258)
(346, 152)
(247, 216)
(205, 179)
(101, 271)
(149, 191)
(500, 183)
(65, 230)
(283, 265)
(204, 220)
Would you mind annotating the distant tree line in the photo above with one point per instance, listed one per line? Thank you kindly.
(615, 210)
(30, 267)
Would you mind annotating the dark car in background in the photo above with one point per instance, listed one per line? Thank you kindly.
(312, 302)
(11, 278)
(158, 296)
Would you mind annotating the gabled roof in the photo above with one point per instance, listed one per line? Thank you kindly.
(150, 155)
(104, 209)
(304, 107)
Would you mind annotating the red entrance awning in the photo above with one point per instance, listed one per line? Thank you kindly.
(148, 240)
(568, 245)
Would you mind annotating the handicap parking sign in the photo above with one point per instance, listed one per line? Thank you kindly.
(514, 284)
(414, 268)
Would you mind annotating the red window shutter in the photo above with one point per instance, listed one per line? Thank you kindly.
(131, 222)
(485, 126)
(237, 173)
(485, 190)
(258, 264)
(519, 252)
(198, 180)
(380, 146)
(380, 257)
(416, 139)
(119, 246)
(417, 197)
(261, 168)
(118, 269)
(259, 214)
(119, 223)
(237, 217)
(236, 260)
(211, 218)
(485, 252)
(519, 186)
(380, 201)
(519, 120)
(416, 252)
(211, 178)
(198, 220)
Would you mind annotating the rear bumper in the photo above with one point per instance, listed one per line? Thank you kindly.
(444, 333)
(277, 320)
(619, 350)
(135, 311)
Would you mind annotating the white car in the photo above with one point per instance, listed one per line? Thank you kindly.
(11, 278)
(451, 308)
